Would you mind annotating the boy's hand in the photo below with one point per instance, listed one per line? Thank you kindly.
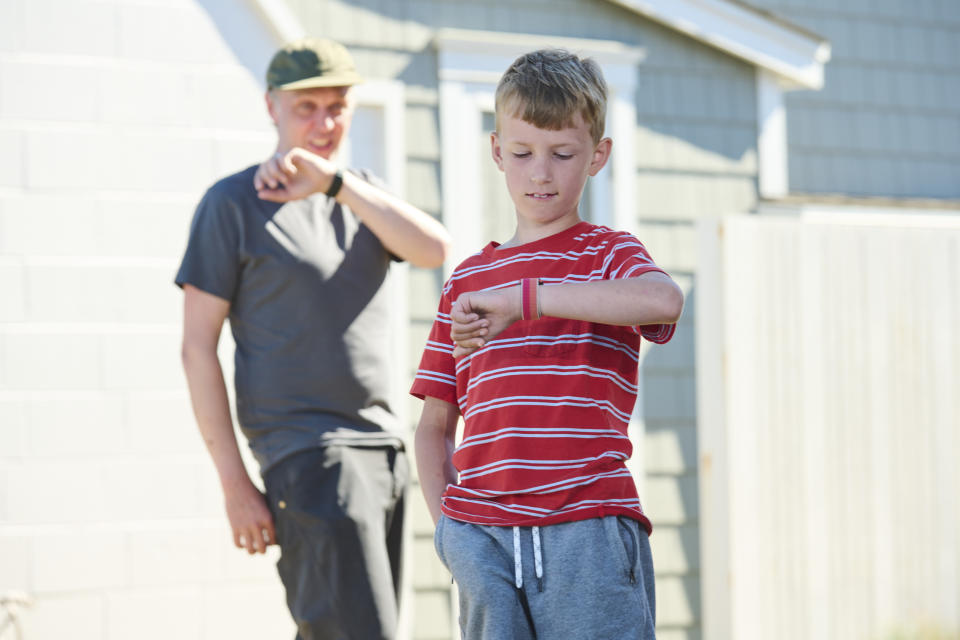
(293, 176)
(480, 316)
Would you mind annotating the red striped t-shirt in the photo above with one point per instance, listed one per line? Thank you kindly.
(546, 404)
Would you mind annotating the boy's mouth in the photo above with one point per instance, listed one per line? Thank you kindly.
(541, 196)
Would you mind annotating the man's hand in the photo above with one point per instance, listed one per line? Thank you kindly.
(250, 518)
(293, 176)
(480, 316)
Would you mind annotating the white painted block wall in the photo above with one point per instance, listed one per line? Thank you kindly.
(115, 115)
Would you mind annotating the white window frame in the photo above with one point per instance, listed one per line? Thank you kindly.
(470, 65)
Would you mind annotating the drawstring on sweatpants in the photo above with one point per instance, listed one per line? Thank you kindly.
(518, 572)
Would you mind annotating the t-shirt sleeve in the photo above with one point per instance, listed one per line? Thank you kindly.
(628, 258)
(436, 376)
(211, 261)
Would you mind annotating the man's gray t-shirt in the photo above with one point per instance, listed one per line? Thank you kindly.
(308, 313)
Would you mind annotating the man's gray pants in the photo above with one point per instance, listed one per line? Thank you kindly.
(595, 580)
(338, 512)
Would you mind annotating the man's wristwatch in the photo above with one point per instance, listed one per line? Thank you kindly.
(335, 184)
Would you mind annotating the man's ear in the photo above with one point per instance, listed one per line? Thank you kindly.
(269, 99)
(600, 155)
(495, 150)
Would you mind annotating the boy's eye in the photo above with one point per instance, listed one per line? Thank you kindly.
(521, 154)
(563, 156)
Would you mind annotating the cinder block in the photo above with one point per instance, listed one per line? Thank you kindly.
(111, 293)
(246, 612)
(187, 555)
(37, 90)
(239, 566)
(161, 422)
(176, 163)
(69, 27)
(151, 228)
(75, 293)
(420, 518)
(145, 34)
(154, 614)
(70, 424)
(428, 571)
(151, 96)
(11, 159)
(48, 167)
(208, 92)
(142, 361)
(55, 616)
(235, 154)
(432, 614)
(54, 492)
(147, 489)
(148, 295)
(13, 438)
(50, 361)
(78, 561)
(15, 561)
(49, 225)
(14, 304)
(11, 27)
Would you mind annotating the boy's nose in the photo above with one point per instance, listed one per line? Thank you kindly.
(540, 174)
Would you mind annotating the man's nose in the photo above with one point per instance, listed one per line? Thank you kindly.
(324, 121)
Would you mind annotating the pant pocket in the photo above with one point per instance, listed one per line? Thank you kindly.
(629, 532)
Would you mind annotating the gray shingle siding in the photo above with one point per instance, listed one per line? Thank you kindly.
(887, 122)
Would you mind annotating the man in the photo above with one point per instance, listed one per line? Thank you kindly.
(295, 253)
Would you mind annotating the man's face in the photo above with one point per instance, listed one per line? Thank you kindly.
(546, 170)
(312, 119)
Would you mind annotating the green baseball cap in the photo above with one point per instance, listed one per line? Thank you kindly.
(310, 63)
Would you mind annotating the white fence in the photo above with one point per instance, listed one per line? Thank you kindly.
(828, 357)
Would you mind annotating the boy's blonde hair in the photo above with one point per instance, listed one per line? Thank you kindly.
(549, 87)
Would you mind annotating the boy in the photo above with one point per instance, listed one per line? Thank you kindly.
(536, 346)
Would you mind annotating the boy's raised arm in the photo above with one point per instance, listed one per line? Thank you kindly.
(433, 445)
(651, 298)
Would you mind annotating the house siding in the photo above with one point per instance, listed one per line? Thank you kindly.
(110, 510)
(887, 122)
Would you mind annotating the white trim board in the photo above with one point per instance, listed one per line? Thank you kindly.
(796, 55)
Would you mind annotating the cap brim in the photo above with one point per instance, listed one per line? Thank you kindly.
(339, 80)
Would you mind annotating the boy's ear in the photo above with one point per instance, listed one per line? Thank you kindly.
(495, 150)
(600, 155)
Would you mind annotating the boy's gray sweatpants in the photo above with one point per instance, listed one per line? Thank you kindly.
(595, 579)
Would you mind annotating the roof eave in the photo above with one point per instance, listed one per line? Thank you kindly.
(795, 55)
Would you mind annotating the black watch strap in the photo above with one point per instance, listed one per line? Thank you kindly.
(335, 184)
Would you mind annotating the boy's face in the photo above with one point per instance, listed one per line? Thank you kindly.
(312, 119)
(546, 170)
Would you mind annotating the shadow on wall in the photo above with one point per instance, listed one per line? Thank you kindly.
(245, 33)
